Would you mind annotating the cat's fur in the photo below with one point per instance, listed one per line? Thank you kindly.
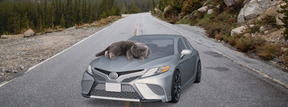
(129, 48)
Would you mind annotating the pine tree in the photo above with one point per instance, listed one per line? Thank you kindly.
(84, 12)
(62, 21)
(69, 14)
(25, 22)
(45, 14)
(52, 13)
(1, 22)
(40, 23)
(124, 8)
(154, 5)
(89, 13)
(134, 9)
(103, 15)
(112, 12)
(117, 11)
(284, 11)
(16, 21)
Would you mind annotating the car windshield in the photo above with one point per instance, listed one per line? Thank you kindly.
(158, 46)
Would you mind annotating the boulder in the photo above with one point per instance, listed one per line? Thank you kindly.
(29, 33)
(247, 35)
(168, 8)
(246, 1)
(252, 9)
(210, 11)
(284, 49)
(167, 11)
(278, 20)
(232, 2)
(203, 9)
(262, 29)
(240, 19)
(279, 15)
(237, 31)
(157, 11)
(286, 42)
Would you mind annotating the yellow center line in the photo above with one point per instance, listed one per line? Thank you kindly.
(137, 30)
(127, 103)
(140, 104)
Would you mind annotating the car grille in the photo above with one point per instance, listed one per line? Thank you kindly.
(119, 73)
(127, 91)
(99, 78)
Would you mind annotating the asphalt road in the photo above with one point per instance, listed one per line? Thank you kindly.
(229, 78)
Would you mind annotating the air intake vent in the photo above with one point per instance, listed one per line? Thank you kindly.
(130, 79)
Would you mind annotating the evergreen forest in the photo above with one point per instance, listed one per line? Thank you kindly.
(19, 15)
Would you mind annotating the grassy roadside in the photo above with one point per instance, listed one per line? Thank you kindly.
(219, 26)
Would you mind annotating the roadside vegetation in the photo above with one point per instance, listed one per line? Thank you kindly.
(219, 20)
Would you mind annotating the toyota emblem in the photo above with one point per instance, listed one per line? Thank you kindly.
(113, 75)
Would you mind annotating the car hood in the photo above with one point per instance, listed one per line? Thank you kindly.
(123, 64)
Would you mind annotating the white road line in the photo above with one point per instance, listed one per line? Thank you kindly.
(6, 82)
(251, 68)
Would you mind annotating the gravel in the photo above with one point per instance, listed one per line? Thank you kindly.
(18, 54)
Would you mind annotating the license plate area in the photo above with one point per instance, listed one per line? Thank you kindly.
(113, 87)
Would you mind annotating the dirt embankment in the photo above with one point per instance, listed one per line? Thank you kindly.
(19, 54)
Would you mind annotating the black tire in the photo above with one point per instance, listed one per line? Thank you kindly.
(176, 87)
(199, 72)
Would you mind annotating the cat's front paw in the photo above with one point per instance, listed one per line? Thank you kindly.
(130, 58)
(107, 54)
(112, 56)
(141, 58)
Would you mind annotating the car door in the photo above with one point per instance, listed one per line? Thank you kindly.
(193, 59)
(184, 64)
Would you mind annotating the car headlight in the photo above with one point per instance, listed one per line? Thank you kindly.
(89, 69)
(156, 71)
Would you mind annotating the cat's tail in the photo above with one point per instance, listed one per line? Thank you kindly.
(101, 53)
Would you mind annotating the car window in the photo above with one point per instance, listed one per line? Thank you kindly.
(159, 46)
(180, 46)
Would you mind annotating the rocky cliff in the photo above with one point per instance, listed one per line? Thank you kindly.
(250, 26)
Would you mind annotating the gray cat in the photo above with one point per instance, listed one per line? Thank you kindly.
(129, 48)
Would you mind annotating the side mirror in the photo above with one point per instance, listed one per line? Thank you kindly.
(185, 52)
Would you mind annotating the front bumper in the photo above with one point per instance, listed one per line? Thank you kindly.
(150, 89)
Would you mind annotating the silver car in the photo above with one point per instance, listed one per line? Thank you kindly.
(173, 65)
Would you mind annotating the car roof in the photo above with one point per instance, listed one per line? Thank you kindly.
(157, 36)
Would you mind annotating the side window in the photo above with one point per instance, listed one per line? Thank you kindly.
(180, 46)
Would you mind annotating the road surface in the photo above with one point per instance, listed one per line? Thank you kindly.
(229, 78)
